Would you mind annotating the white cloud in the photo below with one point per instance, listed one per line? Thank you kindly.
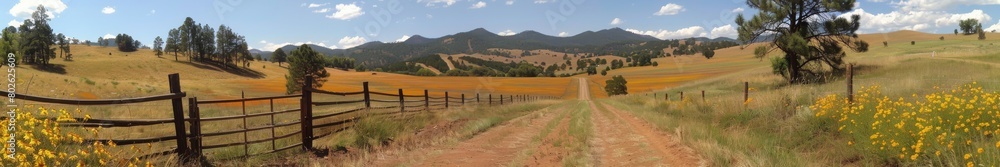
(563, 34)
(913, 20)
(435, 2)
(995, 27)
(429, 16)
(616, 21)
(404, 38)
(510, 2)
(263, 41)
(506, 33)
(724, 31)
(669, 9)
(24, 8)
(694, 31)
(14, 23)
(151, 12)
(108, 10)
(346, 12)
(738, 10)
(478, 5)
(273, 46)
(544, 1)
(313, 5)
(109, 36)
(324, 10)
(925, 5)
(350, 42)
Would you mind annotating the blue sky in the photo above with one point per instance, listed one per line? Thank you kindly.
(343, 24)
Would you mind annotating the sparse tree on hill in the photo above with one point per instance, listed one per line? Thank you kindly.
(279, 56)
(968, 26)
(36, 38)
(956, 31)
(616, 86)
(100, 41)
(305, 62)
(173, 42)
(158, 46)
(188, 33)
(63, 44)
(206, 42)
(808, 32)
(708, 53)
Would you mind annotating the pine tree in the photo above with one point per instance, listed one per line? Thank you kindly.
(808, 32)
(304, 62)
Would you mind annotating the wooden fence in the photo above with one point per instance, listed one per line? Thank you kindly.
(190, 139)
(849, 81)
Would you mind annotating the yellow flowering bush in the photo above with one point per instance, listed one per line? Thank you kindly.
(42, 142)
(950, 127)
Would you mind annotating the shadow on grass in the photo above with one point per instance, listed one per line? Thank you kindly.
(244, 72)
(52, 68)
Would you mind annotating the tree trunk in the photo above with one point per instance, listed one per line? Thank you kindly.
(793, 68)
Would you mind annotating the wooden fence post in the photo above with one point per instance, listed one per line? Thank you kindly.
(446, 99)
(246, 144)
(195, 128)
(427, 101)
(682, 96)
(273, 144)
(746, 91)
(702, 95)
(666, 96)
(477, 98)
(178, 106)
(501, 99)
(402, 105)
(368, 100)
(490, 99)
(850, 83)
(305, 116)
(463, 99)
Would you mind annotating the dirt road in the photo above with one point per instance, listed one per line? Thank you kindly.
(547, 138)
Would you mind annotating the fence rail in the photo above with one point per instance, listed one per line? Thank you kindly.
(189, 135)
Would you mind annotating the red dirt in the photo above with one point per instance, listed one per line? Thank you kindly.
(85, 95)
(495, 147)
(549, 153)
(667, 146)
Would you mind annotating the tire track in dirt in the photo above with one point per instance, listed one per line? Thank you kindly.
(623, 140)
(497, 146)
(668, 146)
(551, 151)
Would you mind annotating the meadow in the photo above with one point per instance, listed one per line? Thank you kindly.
(780, 125)
(931, 103)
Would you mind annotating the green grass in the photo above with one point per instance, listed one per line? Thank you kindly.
(581, 130)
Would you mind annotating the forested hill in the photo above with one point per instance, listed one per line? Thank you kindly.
(378, 54)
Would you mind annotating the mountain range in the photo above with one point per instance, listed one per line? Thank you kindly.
(374, 54)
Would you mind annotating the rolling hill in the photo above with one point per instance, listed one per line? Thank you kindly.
(378, 54)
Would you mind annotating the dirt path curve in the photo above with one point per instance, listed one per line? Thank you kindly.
(623, 140)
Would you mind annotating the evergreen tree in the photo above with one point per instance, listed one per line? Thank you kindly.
(279, 56)
(808, 32)
(304, 62)
(158, 46)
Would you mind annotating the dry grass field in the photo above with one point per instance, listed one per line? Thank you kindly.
(904, 69)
